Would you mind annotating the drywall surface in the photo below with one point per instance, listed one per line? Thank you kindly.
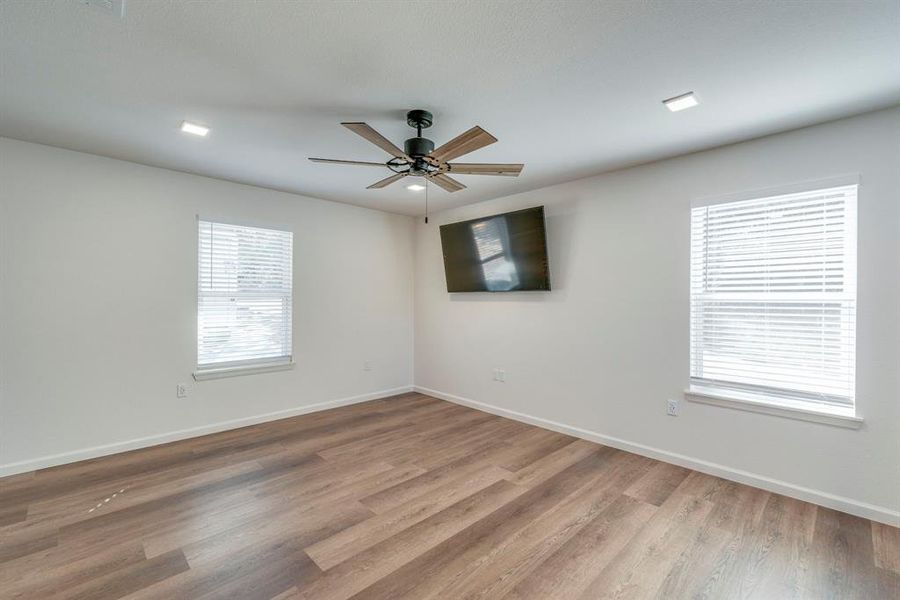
(98, 268)
(608, 346)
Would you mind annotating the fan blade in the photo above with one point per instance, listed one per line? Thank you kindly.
(363, 130)
(469, 141)
(334, 161)
(448, 183)
(387, 181)
(508, 170)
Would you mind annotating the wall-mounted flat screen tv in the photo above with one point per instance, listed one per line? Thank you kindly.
(500, 253)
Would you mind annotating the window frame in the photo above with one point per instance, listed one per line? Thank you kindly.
(789, 404)
(248, 366)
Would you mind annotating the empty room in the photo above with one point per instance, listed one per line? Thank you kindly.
(450, 299)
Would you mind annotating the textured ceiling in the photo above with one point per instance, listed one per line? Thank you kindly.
(570, 88)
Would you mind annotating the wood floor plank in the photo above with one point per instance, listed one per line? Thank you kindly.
(508, 561)
(642, 566)
(258, 558)
(886, 583)
(94, 501)
(411, 497)
(13, 514)
(255, 571)
(352, 576)
(843, 557)
(401, 493)
(293, 593)
(738, 508)
(698, 571)
(27, 541)
(437, 437)
(430, 573)
(183, 506)
(658, 484)
(206, 509)
(353, 540)
(790, 552)
(886, 545)
(56, 574)
(553, 463)
(573, 566)
(533, 452)
(462, 452)
(185, 532)
(368, 446)
(128, 579)
(438, 448)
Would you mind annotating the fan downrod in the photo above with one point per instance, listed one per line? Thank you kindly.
(419, 147)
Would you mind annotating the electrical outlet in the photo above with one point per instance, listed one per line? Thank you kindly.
(501, 375)
(367, 365)
(181, 390)
(672, 408)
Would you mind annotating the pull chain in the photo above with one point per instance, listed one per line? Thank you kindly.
(426, 200)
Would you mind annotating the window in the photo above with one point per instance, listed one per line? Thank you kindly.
(773, 298)
(492, 242)
(243, 297)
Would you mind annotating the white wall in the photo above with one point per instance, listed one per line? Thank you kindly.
(98, 305)
(604, 350)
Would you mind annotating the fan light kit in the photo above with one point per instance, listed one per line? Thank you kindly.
(681, 102)
(419, 158)
(415, 187)
(193, 128)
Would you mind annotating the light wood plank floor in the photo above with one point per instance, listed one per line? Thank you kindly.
(412, 497)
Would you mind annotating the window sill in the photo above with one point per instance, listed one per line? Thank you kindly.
(219, 373)
(837, 417)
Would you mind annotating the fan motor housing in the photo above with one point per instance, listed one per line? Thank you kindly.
(419, 119)
(418, 146)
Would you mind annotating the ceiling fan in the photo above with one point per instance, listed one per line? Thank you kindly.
(420, 158)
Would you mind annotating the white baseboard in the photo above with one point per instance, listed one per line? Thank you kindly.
(848, 505)
(174, 436)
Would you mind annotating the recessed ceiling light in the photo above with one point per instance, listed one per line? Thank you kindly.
(415, 187)
(188, 127)
(681, 102)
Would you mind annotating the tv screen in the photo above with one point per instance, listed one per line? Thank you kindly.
(501, 253)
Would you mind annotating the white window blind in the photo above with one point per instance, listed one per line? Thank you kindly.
(773, 296)
(244, 295)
